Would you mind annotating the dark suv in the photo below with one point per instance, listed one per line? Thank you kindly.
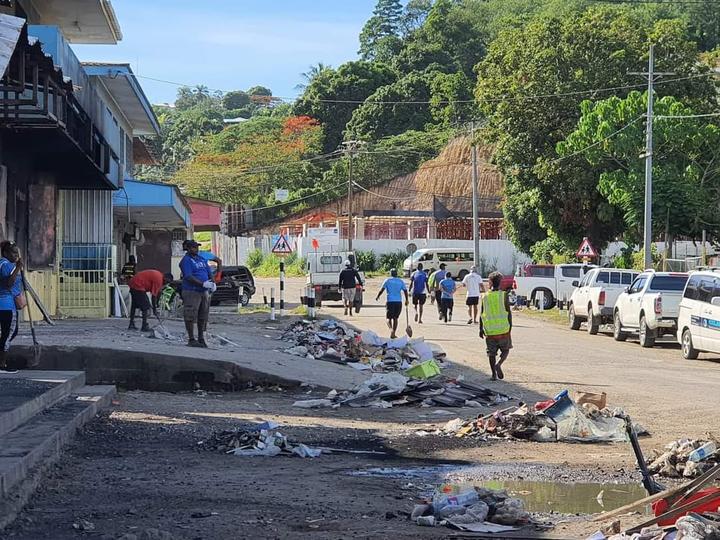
(236, 284)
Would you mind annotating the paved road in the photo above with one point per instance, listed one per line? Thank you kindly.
(670, 396)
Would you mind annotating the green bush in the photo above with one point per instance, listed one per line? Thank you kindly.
(388, 261)
(366, 261)
(255, 259)
(269, 265)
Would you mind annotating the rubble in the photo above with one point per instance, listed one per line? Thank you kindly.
(559, 419)
(261, 440)
(674, 461)
(334, 341)
(384, 390)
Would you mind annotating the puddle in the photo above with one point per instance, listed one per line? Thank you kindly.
(539, 495)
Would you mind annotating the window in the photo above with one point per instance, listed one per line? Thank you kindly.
(638, 285)
(330, 259)
(571, 271)
(706, 289)
(691, 291)
(627, 278)
(427, 257)
(584, 281)
(446, 257)
(668, 283)
(603, 277)
(541, 271)
(615, 278)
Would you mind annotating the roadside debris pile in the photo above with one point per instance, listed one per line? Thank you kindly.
(385, 390)
(473, 509)
(260, 440)
(684, 458)
(694, 526)
(333, 341)
(559, 419)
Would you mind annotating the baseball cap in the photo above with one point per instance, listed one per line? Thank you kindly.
(189, 243)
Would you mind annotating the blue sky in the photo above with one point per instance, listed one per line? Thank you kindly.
(231, 44)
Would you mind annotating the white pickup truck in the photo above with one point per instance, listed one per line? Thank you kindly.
(323, 271)
(650, 306)
(554, 281)
(594, 298)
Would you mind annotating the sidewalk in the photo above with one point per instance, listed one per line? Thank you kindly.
(111, 354)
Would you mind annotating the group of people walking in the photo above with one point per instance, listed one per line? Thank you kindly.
(489, 309)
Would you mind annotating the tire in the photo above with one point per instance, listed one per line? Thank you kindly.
(647, 336)
(244, 298)
(618, 334)
(462, 275)
(214, 302)
(593, 324)
(572, 319)
(688, 351)
(548, 298)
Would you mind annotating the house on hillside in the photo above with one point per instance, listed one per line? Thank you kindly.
(433, 202)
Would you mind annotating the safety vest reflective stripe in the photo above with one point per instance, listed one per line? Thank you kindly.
(494, 315)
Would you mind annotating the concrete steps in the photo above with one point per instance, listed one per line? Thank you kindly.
(36, 424)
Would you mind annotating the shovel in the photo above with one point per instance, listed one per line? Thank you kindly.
(408, 328)
(37, 348)
(161, 326)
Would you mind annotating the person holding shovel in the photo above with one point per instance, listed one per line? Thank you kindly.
(11, 298)
(496, 325)
(393, 287)
(146, 281)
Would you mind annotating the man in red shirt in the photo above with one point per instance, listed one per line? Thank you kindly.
(146, 281)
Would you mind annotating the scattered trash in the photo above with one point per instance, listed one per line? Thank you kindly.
(198, 515)
(684, 458)
(334, 341)
(259, 440)
(384, 390)
(549, 421)
(83, 525)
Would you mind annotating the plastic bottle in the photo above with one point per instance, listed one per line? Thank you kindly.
(454, 495)
(707, 449)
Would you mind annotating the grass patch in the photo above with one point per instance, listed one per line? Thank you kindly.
(549, 315)
(301, 310)
(253, 309)
(267, 266)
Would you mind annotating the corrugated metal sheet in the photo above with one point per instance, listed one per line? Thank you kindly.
(10, 28)
(87, 216)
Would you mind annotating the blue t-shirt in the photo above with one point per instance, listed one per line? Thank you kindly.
(394, 287)
(447, 286)
(196, 267)
(7, 295)
(419, 280)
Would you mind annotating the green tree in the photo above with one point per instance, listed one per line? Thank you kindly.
(310, 75)
(561, 59)
(686, 182)
(190, 97)
(334, 94)
(259, 91)
(380, 37)
(414, 15)
(237, 99)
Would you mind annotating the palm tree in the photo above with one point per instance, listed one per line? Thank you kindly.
(311, 74)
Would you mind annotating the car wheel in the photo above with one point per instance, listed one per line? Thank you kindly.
(244, 298)
(647, 336)
(548, 300)
(593, 324)
(572, 319)
(688, 351)
(618, 334)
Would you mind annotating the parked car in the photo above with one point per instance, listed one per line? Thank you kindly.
(698, 327)
(594, 298)
(554, 281)
(650, 306)
(457, 261)
(323, 270)
(236, 285)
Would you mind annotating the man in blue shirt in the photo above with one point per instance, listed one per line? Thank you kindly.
(393, 287)
(447, 288)
(419, 287)
(197, 286)
(209, 256)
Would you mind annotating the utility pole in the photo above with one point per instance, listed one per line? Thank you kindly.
(349, 148)
(475, 202)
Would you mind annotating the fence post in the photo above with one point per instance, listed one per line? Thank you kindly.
(282, 288)
(311, 301)
(272, 303)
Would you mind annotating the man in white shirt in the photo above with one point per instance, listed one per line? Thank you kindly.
(473, 282)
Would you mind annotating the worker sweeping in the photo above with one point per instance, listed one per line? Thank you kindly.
(496, 325)
(146, 281)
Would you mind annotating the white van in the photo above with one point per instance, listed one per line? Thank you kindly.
(699, 318)
(457, 261)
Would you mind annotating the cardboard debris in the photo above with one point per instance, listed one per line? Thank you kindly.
(333, 341)
(673, 461)
(384, 390)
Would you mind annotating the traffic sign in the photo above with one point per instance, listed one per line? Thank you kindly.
(282, 246)
(586, 250)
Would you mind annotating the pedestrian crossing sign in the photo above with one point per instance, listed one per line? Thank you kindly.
(282, 246)
(586, 250)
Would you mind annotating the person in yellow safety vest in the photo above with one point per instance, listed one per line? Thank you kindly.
(496, 325)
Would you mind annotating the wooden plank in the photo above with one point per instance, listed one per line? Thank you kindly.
(680, 510)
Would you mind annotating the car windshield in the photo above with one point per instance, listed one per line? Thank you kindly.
(668, 283)
(416, 256)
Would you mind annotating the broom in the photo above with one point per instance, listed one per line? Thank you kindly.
(37, 348)
(408, 328)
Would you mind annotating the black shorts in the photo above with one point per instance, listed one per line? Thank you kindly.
(140, 300)
(8, 328)
(393, 310)
(419, 299)
(472, 301)
(501, 344)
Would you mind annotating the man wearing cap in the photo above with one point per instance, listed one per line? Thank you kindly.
(146, 281)
(197, 286)
(474, 284)
(210, 257)
(393, 287)
(349, 279)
